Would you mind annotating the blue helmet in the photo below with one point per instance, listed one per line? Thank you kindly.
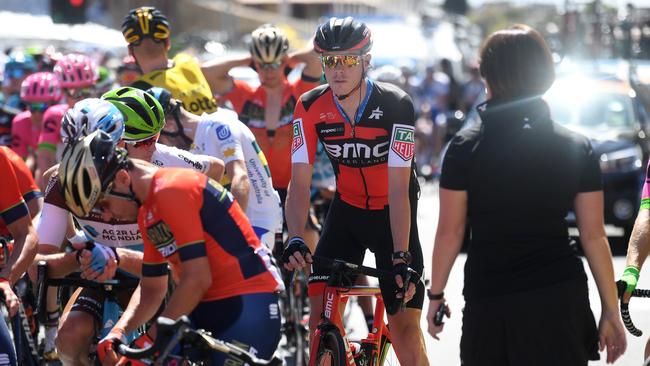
(19, 65)
(92, 114)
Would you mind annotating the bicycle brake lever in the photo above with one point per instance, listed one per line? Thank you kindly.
(405, 287)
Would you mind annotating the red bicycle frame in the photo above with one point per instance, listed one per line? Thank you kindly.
(333, 298)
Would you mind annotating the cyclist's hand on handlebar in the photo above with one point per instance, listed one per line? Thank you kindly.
(144, 341)
(630, 277)
(11, 300)
(611, 335)
(296, 254)
(402, 272)
(106, 347)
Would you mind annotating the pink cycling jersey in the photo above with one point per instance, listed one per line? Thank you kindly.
(50, 133)
(24, 134)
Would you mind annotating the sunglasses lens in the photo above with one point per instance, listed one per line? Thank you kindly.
(348, 60)
(38, 107)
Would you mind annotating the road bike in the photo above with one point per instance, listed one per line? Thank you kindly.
(170, 334)
(330, 347)
(111, 288)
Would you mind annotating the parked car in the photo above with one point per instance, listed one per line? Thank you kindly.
(606, 110)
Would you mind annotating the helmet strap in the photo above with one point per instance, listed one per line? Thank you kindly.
(186, 141)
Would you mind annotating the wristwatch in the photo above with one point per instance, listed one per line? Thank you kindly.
(403, 255)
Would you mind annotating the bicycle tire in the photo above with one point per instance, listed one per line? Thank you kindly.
(300, 336)
(331, 348)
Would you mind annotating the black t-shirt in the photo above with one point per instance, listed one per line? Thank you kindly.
(521, 172)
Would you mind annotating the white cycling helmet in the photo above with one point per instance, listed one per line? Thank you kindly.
(269, 44)
(89, 115)
(88, 166)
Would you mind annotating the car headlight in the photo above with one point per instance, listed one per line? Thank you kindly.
(621, 161)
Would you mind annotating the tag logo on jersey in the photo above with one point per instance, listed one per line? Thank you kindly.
(223, 132)
(298, 139)
(331, 130)
(376, 113)
(403, 141)
(160, 235)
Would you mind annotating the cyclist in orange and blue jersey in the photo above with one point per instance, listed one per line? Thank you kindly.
(219, 264)
(15, 222)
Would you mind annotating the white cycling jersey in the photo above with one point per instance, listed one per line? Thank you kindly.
(52, 227)
(172, 157)
(221, 134)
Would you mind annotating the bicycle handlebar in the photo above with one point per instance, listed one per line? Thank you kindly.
(341, 267)
(74, 279)
(625, 311)
(170, 332)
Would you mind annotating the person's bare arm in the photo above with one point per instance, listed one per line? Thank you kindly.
(591, 225)
(216, 169)
(216, 73)
(45, 159)
(639, 247)
(239, 182)
(311, 60)
(24, 251)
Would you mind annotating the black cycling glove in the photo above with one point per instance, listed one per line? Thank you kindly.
(408, 275)
(295, 244)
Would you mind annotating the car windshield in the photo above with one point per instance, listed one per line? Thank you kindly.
(598, 111)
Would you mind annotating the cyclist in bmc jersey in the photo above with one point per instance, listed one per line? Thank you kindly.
(143, 130)
(147, 31)
(16, 222)
(248, 176)
(367, 130)
(217, 261)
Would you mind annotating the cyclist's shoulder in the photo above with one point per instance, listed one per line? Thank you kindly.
(23, 117)
(312, 97)
(390, 93)
(57, 110)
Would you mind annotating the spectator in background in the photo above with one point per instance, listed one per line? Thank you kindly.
(473, 89)
(454, 94)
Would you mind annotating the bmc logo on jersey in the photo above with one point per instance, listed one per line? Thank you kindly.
(403, 141)
(358, 154)
(223, 132)
(298, 139)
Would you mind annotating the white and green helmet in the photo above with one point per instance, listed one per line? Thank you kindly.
(143, 114)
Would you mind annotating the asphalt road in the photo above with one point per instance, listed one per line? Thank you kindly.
(446, 350)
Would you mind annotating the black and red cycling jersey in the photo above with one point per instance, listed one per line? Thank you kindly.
(381, 136)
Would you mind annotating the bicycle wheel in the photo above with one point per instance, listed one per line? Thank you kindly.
(300, 336)
(331, 349)
(387, 354)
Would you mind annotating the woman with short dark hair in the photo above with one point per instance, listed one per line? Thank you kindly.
(514, 177)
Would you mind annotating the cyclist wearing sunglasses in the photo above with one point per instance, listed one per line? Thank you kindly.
(247, 174)
(144, 119)
(40, 91)
(225, 280)
(268, 109)
(77, 74)
(112, 240)
(16, 69)
(367, 129)
(147, 31)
